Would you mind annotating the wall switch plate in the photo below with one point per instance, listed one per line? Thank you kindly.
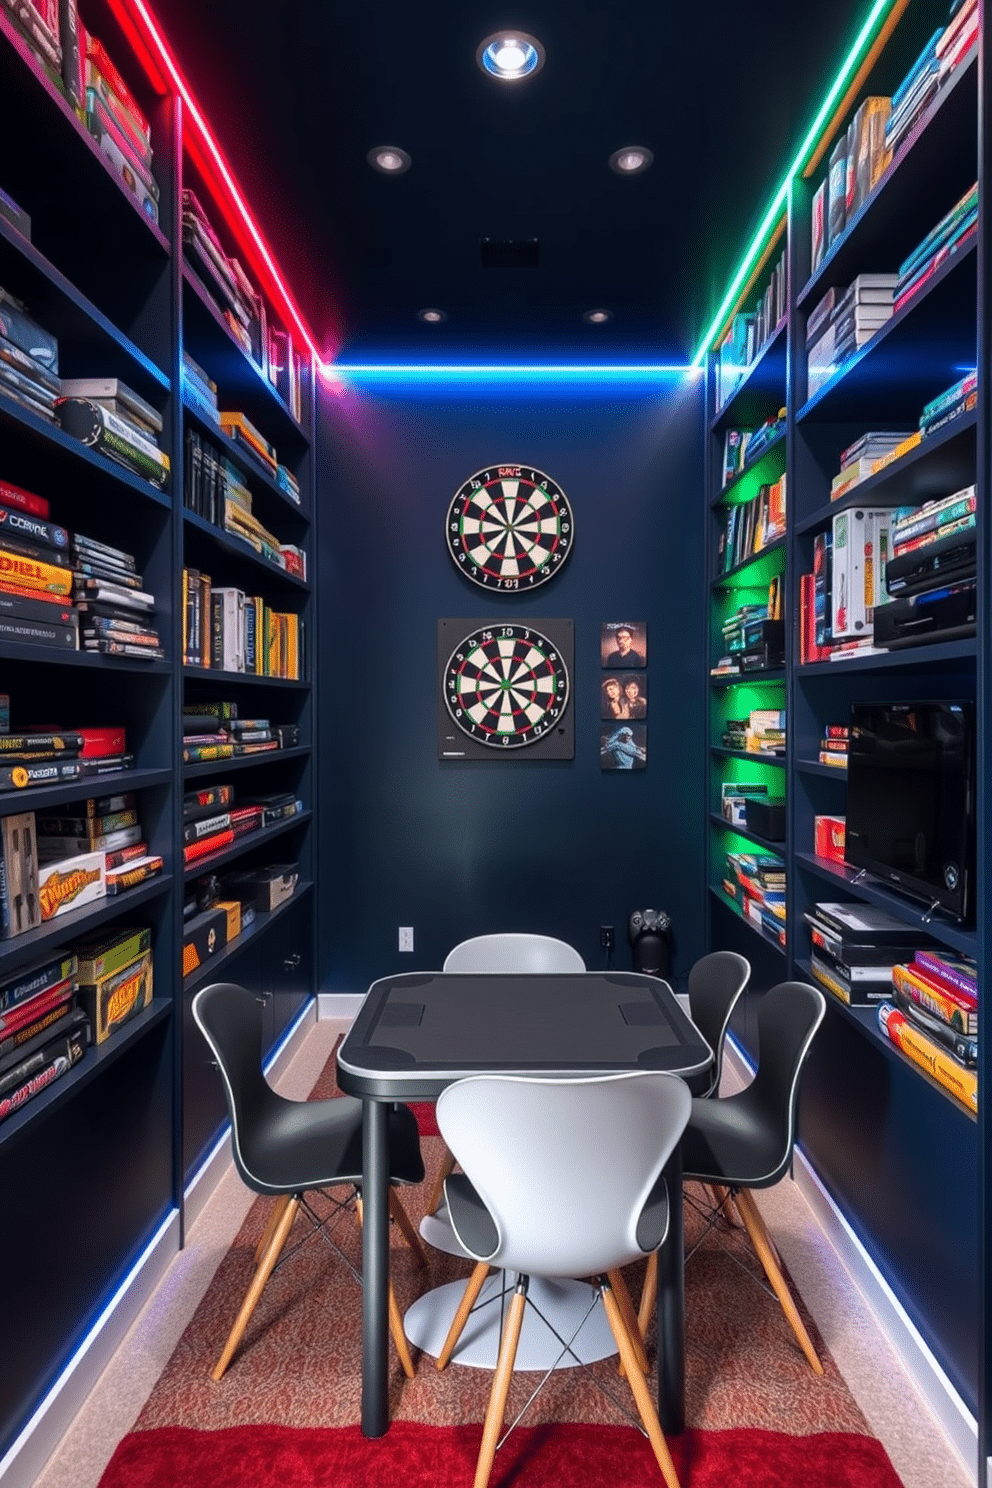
(406, 937)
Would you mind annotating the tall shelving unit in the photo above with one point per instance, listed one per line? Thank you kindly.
(95, 1168)
(902, 1159)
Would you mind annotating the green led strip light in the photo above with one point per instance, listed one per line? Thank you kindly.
(770, 221)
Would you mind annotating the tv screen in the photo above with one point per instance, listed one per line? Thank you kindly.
(910, 797)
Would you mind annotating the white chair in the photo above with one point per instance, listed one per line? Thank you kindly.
(508, 953)
(572, 1187)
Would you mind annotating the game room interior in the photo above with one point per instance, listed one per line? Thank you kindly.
(474, 471)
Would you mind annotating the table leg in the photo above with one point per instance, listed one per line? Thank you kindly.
(671, 1308)
(375, 1269)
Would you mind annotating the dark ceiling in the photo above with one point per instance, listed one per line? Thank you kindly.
(298, 93)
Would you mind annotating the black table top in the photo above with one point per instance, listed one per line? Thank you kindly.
(418, 1031)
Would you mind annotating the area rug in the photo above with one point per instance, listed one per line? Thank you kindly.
(286, 1413)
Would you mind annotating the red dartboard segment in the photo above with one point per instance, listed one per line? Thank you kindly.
(509, 527)
(506, 685)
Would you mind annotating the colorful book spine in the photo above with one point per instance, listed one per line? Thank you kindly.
(941, 1066)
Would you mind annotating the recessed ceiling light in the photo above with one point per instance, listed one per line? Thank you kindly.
(510, 55)
(432, 316)
(389, 159)
(631, 160)
(597, 317)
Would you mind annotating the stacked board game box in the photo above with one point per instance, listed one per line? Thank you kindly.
(116, 612)
(105, 414)
(35, 577)
(43, 1032)
(118, 124)
(29, 359)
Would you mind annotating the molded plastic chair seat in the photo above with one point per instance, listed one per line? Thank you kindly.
(563, 1178)
(287, 1148)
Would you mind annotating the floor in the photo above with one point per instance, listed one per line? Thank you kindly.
(922, 1455)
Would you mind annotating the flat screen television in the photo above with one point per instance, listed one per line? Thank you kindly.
(910, 799)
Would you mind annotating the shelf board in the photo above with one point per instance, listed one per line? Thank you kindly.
(814, 767)
(722, 580)
(63, 656)
(751, 467)
(866, 1019)
(915, 356)
(916, 658)
(243, 762)
(208, 674)
(750, 679)
(243, 552)
(752, 400)
(747, 754)
(96, 1061)
(31, 425)
(898, 214)
(873, 891)
(262, 397)
(256, 478)
(773, 847)
(258, 926)
(243, 845)
(83, 331)
(735, 909)
(46, 796)
(19, 950)
(942, 461)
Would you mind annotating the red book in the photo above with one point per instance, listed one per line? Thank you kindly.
(23, 500)
(23, 1013)
(196, 850)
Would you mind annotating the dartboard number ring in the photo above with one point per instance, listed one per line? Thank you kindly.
(509, 528)
(506, 686)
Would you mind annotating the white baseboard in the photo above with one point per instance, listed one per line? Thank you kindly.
(338, 1006)
(905, 1339)
(27, 1455)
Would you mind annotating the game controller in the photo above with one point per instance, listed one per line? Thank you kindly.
(650, 934)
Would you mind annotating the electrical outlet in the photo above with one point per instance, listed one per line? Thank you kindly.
(607, 938)
(406, 937)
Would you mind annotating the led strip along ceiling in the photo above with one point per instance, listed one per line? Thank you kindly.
(874, 33)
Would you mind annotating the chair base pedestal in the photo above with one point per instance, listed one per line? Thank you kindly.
(565, 1303)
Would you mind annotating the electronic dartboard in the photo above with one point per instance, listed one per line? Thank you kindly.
(509, 528)
(505, 689)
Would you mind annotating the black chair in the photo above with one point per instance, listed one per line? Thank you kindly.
(286, 1148)
(745, 1141)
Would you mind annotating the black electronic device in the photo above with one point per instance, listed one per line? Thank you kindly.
(650, 934)
(765, 815)
(944, 614)
(946, 561)
(764, 645)
(910, 798)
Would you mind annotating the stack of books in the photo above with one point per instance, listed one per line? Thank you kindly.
(248, 439)
(933, 1018)
(934, 521)
(844, 322)
(224, 279)
(834, 746)
(959, 399)
(115, 612)
(222, 735)
(115, 421)
(913, 94)
(765, 731)
(853, 948)
(35, 576)
(29, 359)
(199, 389)
(734, 734)
(118, 125)
(43, 1033)
(756, 884)
(958, 37)
(861, 459)
(287, 483)
(953, 232)
(107, 825)
(52, 756)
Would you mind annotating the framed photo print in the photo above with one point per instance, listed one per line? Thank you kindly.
(624, 643)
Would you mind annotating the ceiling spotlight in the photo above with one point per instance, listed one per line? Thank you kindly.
(597, 317)
(432, 316)
(389, 159)
(631, 160)
(510, 55)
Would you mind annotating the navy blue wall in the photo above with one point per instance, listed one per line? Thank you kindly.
(460, 848)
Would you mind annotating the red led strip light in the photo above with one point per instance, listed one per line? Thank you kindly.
(162, 69)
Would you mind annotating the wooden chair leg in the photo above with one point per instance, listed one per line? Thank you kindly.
(724, 1201)
(630, 1322)
(639, 1388)
(275, 1215)
(649, 1295)
(402, 1220)
(501, 1387)
(460, 1318)
(262, 1274)
(760, 1239)
(437, 1192)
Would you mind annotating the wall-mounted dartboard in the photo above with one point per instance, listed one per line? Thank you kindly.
(505, 689)
(509, 528)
